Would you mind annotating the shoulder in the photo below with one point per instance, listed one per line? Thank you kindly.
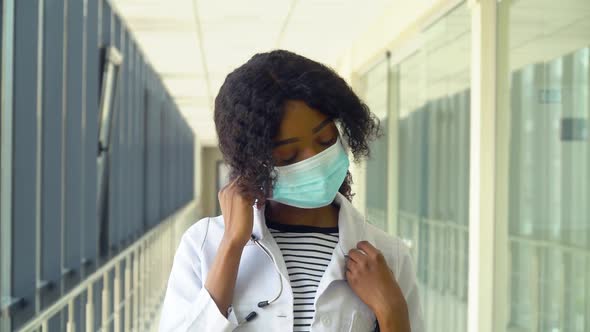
(199, 233)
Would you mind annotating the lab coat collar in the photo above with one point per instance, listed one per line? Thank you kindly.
(259, 228)
(351, 228)
(351, 224)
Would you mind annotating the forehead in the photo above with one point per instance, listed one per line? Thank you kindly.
(299, 119)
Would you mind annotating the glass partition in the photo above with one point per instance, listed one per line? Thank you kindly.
(374, 86)
(543, 232)
(432, 104)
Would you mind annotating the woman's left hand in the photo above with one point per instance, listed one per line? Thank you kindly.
(374, 283)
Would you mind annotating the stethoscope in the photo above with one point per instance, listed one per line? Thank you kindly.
(253, 314)
(263, 304)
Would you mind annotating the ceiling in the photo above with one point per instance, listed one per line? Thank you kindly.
(194, 44)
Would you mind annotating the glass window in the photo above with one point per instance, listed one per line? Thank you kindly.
(432, 104)
(543, 238)
(374, 85)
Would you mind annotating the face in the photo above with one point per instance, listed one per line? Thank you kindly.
(304, 132)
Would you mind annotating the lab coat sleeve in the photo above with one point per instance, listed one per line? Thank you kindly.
(408, 284)
(188, 306)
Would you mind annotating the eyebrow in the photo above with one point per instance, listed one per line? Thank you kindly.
(295, 139)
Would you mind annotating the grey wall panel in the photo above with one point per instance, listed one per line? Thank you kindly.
(131, 147)
(125, 184)
(123, 158)
(142, 137)
(91, 141)
(139, 167)
(52, 145)
(175, 185)
(120, 41)
(115, 148)
(104, 39)
(194, 168)
(163, 165)
(109, 39)
(152, 147)
(156, 190)
(52, 214)
(25, 160)
(100, 224)
(73, 135)
(74, 192)
(129, 164)
(152, 192)
(149, 176)
(131, 127)
(126, 146)
(183, 160)
(172, 157)
(106, 24)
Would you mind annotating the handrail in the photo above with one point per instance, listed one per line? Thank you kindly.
(564, 247)
(551, 244)
(445, 223)
(101, 273)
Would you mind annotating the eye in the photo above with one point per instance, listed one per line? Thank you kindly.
(328, 142)
(290, 160)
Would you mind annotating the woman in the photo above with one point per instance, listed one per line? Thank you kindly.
(289, 252)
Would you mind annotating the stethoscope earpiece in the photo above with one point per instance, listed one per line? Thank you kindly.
(251, 316)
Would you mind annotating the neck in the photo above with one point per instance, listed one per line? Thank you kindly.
(326, 216)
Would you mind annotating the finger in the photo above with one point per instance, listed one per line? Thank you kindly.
(357, 256)
(368, 248)
(350, 274)
(349, 263)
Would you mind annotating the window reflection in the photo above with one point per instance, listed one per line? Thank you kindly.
(433, 110)
(548, 257)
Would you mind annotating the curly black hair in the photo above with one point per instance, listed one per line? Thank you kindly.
(250, 106)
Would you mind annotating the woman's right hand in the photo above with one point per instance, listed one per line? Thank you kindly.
(237, 213)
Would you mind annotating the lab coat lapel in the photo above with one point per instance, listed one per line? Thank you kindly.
(262, 234)
(351, 230)
(259, 228)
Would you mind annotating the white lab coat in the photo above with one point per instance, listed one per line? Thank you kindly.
(188, 306)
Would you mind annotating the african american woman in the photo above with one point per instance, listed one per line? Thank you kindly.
(290, 252)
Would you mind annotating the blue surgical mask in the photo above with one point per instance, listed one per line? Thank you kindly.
(313, 182)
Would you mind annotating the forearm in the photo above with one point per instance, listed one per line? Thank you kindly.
(394, 320)
(221, 279)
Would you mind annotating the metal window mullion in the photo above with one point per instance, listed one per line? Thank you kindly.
(63, 143)
(6, 157)
(39, 166)
(122, 204)
(83, 254)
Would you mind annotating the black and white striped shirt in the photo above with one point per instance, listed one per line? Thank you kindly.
(307, 251)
